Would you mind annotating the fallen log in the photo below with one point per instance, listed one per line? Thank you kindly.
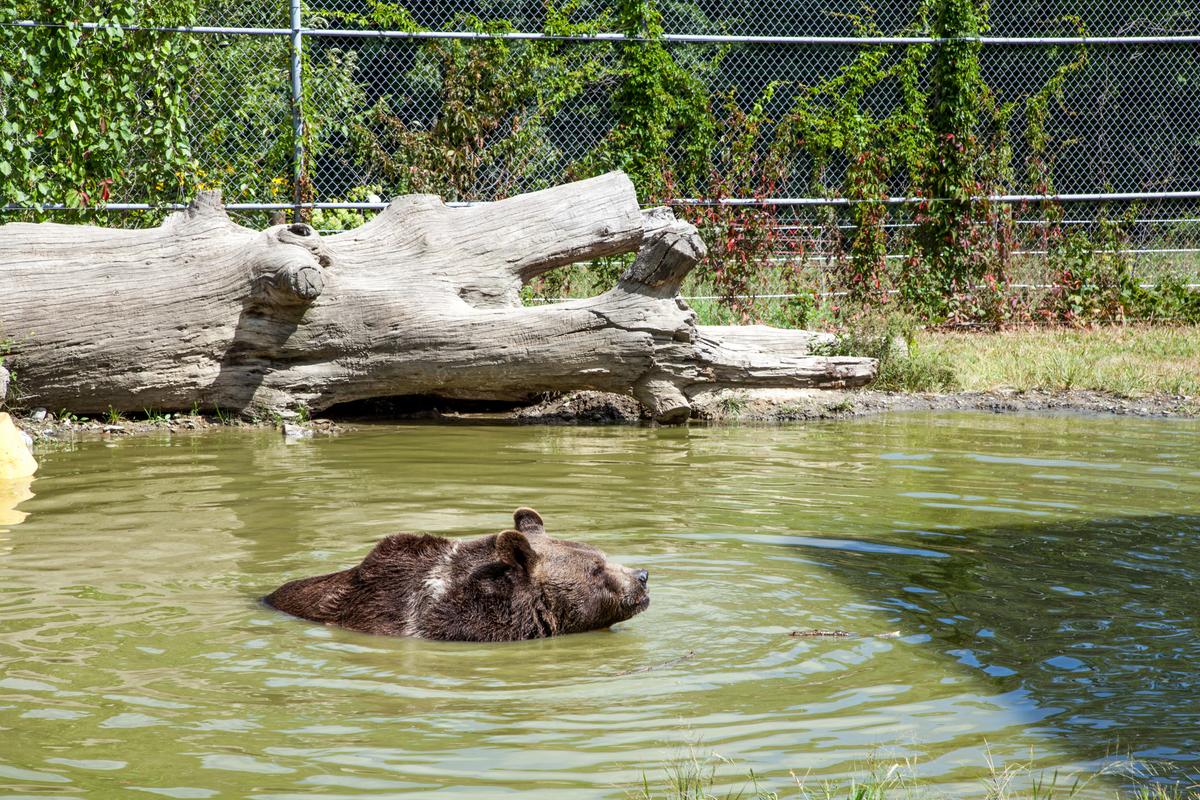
(421, 300)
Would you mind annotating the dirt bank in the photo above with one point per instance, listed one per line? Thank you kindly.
(600, 408)
(781, 405)
(803, 404)
(47, 428)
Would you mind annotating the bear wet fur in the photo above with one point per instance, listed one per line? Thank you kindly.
(517, 584)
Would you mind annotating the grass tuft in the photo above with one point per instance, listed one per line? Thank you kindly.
(905, 365)
(693, 777)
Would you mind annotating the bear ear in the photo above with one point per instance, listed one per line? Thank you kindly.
(528, 521)
(514, 550)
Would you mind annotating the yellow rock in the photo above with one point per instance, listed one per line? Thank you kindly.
(15, 459)
(16, 472)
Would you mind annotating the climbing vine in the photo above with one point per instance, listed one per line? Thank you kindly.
(745, 242)
(659, 106)
(89, 114)
(828, 122)
(951, 248)
(495, 98)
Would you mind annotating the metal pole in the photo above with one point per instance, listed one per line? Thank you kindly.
(297, 118)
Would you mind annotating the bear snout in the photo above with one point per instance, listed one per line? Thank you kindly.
(637, 597)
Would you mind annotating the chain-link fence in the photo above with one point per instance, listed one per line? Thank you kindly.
(480, 99)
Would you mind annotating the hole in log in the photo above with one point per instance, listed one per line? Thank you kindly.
(417, 407)
(300, 229)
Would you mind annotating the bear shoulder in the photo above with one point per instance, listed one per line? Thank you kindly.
(402, 551)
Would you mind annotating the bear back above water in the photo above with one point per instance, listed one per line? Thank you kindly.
(517, 584)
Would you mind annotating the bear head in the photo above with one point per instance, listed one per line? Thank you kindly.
(581, 588)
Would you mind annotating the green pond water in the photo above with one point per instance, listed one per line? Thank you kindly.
(1043, 574)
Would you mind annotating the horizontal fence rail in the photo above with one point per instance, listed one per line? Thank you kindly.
(680, 38)
(750, 202)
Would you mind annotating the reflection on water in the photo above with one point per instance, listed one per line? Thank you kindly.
(1041, 572)
(13, 492)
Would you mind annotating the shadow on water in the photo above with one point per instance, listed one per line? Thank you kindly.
(1096, 620)
(13, 492)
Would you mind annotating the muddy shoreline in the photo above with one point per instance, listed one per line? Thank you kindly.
(599, 408)
(817, 404)
(789, 405)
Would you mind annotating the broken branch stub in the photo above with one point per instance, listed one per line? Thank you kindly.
(422, 299)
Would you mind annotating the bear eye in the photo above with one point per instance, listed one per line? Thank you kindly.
(597, 570)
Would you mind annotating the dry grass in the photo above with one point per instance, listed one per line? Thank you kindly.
(1129, 361)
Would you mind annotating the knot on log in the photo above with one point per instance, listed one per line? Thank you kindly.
(290, 271)
(306, 236)
(297, 284)
(670, 249)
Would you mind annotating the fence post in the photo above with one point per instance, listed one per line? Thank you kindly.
(297, 118)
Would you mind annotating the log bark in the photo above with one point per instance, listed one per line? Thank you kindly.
(421, 300)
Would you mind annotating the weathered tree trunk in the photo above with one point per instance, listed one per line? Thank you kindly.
(423, 299)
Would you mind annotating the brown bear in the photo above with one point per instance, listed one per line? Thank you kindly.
(517, 584)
